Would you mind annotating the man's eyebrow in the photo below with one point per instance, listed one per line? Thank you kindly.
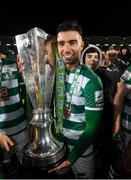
(60, 42)
(72, 40)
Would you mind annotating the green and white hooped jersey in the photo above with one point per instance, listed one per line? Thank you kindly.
(87, 97)
(12, 114)
(126, 115)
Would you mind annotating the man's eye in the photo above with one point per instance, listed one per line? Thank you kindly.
(73, 42)
(60, 44)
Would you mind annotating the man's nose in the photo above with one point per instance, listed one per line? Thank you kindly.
(67, 47)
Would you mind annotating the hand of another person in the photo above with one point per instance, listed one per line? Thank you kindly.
(117, 133)
(63, 165)
(112, 54)
(104, 63)
(5, 142)
(20, 63)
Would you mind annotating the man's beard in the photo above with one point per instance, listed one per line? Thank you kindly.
(72, 62)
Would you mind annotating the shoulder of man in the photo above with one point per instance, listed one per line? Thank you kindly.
(91, 76)
(126, 76)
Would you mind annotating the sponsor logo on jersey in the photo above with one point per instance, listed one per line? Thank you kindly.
(126, 75)
(99, 98)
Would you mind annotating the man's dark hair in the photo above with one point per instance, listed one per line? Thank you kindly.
(71, 25)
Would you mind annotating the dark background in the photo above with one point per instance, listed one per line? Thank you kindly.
(97, 18)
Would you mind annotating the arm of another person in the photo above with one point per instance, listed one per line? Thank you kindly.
(5, 142)
(122, 91)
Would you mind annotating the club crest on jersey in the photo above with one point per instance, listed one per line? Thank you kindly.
(77, 90)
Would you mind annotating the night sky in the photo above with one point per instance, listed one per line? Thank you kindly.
(111, 19)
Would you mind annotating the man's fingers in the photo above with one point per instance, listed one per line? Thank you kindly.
(65, 164)
(5, 142)
(9, 144)
(7, 147)
(54, 169)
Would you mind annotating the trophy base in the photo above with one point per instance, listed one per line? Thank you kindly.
(45, 163)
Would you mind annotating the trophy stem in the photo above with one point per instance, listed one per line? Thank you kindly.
(43, 150)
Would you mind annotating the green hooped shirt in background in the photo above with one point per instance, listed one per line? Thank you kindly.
(12, 113)
(126, 115)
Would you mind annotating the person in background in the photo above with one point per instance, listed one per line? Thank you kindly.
(109, 69)
(114, 71)
(121, 128)
(13, 121)
(125, 54)
(92, 57)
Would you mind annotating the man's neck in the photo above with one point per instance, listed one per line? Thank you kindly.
(71, 66)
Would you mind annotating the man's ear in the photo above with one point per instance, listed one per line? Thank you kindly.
(82, 45)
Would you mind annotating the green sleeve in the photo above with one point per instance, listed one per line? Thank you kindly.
(87, 137)
(93, 111)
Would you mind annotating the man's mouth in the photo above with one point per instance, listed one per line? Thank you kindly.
(68, 57)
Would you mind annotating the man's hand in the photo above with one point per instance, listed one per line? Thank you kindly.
(65, 164)
(5, 142)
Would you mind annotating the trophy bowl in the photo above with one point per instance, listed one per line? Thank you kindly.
(43, 150)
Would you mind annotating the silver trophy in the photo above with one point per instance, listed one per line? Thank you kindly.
(43, 150)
